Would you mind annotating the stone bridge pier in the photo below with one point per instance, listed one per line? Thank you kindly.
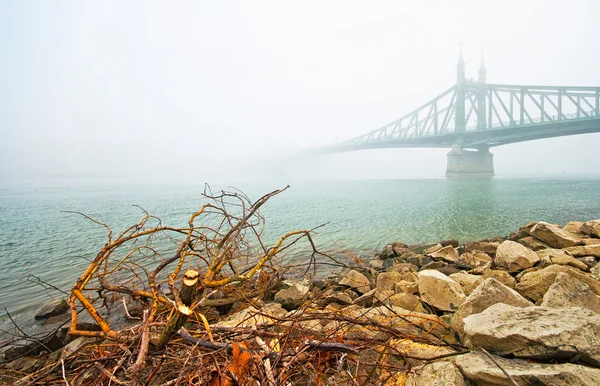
(462, 162)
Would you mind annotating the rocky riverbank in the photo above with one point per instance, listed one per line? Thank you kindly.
(517, 310)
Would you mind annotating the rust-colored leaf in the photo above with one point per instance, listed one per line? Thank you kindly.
(241, 360)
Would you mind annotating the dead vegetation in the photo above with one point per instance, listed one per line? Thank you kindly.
(197, 309)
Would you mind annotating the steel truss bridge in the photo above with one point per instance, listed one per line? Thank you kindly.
(477, 115)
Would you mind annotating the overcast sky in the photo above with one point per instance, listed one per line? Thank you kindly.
(142, 91)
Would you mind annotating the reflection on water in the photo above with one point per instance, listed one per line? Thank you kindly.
(470, 204)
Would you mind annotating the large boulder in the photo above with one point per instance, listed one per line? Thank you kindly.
(356, 280)
(52, 308)
(439, 291)
(567, 291)
(560, 257)
(436, 374)
(515, 257)
(479, 368)
(554, 236)
(541, 333)
(447, 253)
(533, 285)
(585, 250)
(488, 293)
(591, 228)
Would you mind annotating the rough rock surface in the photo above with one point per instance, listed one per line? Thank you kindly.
(409, 287)
(439, 291)
(560, 257)
(533, 243)
(591, 228)
(479, 368)
(585, 250)
(533, 285)
(436, 374)
(52, 308)
(292, 296)
(407, 301)
(386, 281)
(488, 247)
(447, 253)
(467, 281)
(356, 280)
(475, 260)
(515, 257)
(488, 293)
(567, 291)
(570, 334)
(554, 236)
(502, 276)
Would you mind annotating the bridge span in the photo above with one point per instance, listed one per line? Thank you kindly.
(473, 116)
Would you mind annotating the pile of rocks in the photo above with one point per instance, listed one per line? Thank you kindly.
(522, 309)
(531, 300)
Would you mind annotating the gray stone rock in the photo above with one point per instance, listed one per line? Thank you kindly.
(515, 257)
(436, 374)
(366, 299)
(479, 368)
(567, 291)
(488, 293)
(293, 296)
(541, 333)
(340, 297)
(376, 264)
(52, 308)
(554, 236)
(76, 345)
(533, 285)
(356, 280)
(439, 291)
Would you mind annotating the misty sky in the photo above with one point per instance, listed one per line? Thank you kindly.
(217, 91)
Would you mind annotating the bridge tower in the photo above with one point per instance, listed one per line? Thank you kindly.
(461, 162)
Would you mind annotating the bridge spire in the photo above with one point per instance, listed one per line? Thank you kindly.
(460, 93)
(481, 78)
(460, 66)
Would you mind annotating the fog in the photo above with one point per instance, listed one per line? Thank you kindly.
(141, 92)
